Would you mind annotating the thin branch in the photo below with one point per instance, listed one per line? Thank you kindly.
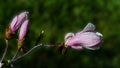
(36, 43)
(39, 38)
(49, 45)
(27, 53)
(4, 51)
(15, 55)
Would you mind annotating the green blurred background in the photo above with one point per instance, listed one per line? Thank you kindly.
(56, 18)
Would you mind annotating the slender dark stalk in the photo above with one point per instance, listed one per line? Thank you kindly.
(39, 38)
(27, 53)
(36, 45)
(15, 55)
(6, 48)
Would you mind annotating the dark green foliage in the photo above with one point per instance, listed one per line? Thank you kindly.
(56, 18)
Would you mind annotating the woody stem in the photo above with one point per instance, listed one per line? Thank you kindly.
(20, 57)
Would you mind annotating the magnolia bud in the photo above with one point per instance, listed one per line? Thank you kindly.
(23, 33)
(15, 25)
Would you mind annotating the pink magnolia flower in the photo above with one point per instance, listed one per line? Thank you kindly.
(87, 38)
(17, 21)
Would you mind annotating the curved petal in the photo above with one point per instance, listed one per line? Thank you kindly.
(86, 39)
(21, 18)
(68, 35)
(88, 28)
(90, 40)
(77, 47)
(13, 23)
(23, 30)
(18, 21)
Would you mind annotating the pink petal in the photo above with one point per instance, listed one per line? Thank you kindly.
(23, 30)
(13, 23)
(77, 47)
(86, 39)
(17, 21)
(21, 18)
(88, 28)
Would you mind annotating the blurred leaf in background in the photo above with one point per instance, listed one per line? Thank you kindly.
(56, 18)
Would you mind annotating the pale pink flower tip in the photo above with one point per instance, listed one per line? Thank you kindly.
(17, 21)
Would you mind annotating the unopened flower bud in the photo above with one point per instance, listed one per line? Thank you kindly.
(23, 33)
(15, 24)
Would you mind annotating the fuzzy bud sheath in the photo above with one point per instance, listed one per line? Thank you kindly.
(20, 45)
(8, 33)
